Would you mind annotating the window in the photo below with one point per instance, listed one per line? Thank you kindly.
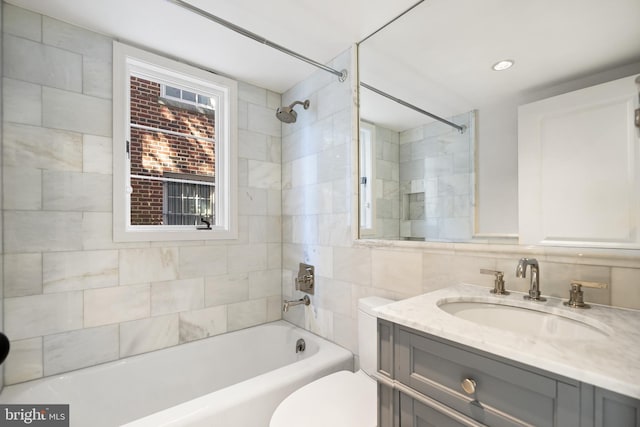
(367, 177)
(174, 150)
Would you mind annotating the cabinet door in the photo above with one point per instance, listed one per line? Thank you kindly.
(612, 409)
(579, 168)
(414, 413)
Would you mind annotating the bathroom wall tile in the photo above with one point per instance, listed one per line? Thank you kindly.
(227, 289)
(36, 63)
(24, 362)
(625, 287)
(76, 191)
(318, 199)
(334, 163)
(442, 270)
(318, 320)
(21, 102)
(397, 270)
(97, 233)
(265, 229)
(97, 154)
(305, 229)
(247, 313)
(75, 39)
(141, 336)
(263, 120)
(264, 175)
(197, 324)
(97, 77)
(321, 257)
(252, 94)
(304, 171)
(22, 188)
(345, 332)
(352, 265)
(202, 261)
(32, 316)
(293, 201)
(333, 295)
(22, 274)
(335, 230)
(78, 349)
(67, 271)
(118, 304)
(21, 22)
(176, 296)
(76, 112)
(26, 231)
(264, 284)
(274, 202)
(252, 201)
(252, 145)
(41, 148)
(274, 149)
(274, 255)
(148, 265)
(245, 258)
(274, 308)
(274, 100)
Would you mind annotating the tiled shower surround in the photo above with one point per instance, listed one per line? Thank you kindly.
(75, 298)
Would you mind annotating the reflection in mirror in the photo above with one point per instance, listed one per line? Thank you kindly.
(439, 57)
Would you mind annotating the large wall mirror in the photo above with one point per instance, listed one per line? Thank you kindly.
(424, 179)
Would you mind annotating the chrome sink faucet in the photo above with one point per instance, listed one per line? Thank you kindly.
(534, 286)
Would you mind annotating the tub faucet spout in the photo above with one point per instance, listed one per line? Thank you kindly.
(305, 300)
(534, 286)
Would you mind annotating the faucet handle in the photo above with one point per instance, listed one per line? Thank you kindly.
(498, 284)
(576, 296)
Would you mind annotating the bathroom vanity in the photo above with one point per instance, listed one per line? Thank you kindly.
(438, 366)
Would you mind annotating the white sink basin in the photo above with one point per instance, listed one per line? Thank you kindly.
(522, 320)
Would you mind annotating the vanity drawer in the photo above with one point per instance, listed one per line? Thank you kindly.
(505, 395)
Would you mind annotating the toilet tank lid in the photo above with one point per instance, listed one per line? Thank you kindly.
(367, 304)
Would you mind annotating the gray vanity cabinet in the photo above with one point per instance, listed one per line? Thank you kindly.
(428, 381)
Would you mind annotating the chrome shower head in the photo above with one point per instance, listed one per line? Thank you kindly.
(288, 114)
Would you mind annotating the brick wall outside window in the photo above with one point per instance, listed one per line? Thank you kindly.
(154, 153)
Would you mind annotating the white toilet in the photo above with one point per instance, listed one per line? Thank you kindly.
(344, 398)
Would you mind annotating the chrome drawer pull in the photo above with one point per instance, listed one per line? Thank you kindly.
(469, 386)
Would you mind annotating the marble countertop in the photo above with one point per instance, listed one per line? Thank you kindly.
(611, 360)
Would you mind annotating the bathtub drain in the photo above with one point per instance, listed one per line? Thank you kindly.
(300, 345)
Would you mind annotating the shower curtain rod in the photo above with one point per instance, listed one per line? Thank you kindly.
(460, 128)
(342, 75)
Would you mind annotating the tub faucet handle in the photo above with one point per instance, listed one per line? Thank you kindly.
(498, 284)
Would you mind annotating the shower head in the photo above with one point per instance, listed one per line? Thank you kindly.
(288, 114)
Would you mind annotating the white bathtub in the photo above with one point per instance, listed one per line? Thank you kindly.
(235, 379)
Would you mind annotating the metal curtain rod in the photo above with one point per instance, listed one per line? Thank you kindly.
(342, 75)
(391, 22)
(460, 128)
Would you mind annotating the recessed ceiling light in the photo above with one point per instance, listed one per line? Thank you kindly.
(503, 65)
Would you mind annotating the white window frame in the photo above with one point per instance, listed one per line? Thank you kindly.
(128, 60)
(367, 162)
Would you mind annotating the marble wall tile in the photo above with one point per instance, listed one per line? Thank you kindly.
(202, 261)
(25, 361)
(22, 188)
(36, 63)
(333, 295)
(274, 255)
(176, 296)
(76, 112)
(397, 271)
(97, 154)
(67, 271)
(252, 145)
(252, 201)
(442, 270)
(226, 289)
(252, 94)
(246, 313)
(245, 258)
(197, 324)
(75, 39)
(264, 284)
(141, 336)
(75, 191)
(625, 287)
(335, 230)
(118, 304)
(79, 349)
(97, 77)
(304, 171)
(305, 229)
(21, 22)
(274, 308)
(555, 280)
(37, 231)
(22, 274)
(148, 265)
(352, 265)
(21, 102)
(334, 163)
(264, 175)
(263, 120)
(41, 148)
(37, 315)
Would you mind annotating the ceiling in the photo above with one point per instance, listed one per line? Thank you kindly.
(317, 30)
